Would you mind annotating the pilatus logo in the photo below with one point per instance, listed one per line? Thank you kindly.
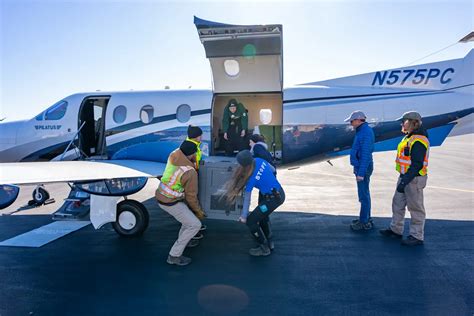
(48, 127)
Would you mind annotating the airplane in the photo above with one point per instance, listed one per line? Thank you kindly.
(109, 143)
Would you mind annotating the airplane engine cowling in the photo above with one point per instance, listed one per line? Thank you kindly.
(151, 151)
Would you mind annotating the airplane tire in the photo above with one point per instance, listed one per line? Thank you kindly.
(41, 196)
(132, 219)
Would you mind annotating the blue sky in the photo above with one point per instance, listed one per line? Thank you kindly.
(51, 49)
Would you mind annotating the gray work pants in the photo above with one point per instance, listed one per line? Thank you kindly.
(190, 226)
(412, 198)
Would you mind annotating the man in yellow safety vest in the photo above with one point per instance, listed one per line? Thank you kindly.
(195, 136)
(412, 164)
(177, 195)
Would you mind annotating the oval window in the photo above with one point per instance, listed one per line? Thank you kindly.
(146, 114)
(120, 114)
(183, 113)
(231, 67)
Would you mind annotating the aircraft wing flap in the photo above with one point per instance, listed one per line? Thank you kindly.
(72, 171)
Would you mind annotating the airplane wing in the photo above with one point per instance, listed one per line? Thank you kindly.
(72, 171)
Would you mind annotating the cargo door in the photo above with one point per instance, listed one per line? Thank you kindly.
(243, 58)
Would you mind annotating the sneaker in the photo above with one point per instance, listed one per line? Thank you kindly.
(179, 261)
(198, 236)
(261, 250)
(192, 243)
(203, 227)
(358, 226)
(412, 241)
(389, 233)
(354, 221)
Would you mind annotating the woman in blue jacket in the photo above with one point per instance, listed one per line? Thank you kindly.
(259, 148)
(258, 173)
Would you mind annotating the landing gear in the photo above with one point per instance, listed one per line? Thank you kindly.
(132, 218)
(40, 196)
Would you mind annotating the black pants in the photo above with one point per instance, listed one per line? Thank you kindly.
(234, 142)
(258, 221)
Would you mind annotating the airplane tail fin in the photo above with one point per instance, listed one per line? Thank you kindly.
(432, 76)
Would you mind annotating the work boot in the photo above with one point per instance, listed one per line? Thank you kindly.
(261, 250)
(354, 221)
(412, 241)
(203, 227)
(198, 236)
(359, 226)
(179, 261)
(389, 233)
(192, 243)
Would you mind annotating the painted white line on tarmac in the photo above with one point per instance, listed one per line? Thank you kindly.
(41, 236)
(428, 186)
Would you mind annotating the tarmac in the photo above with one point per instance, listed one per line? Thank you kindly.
(319, 266)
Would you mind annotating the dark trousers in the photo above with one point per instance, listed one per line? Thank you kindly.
(234, 142)
(258, 220)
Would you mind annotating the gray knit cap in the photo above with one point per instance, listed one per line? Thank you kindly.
(244, 158)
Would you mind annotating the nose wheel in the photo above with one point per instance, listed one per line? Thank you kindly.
(132, 218)
(40, 196)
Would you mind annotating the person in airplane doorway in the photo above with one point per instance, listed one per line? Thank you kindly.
(255, 172)
(177, 195)
(259, 149)
(234, 125)
(412, 164)
(195, 136)
(363, 165)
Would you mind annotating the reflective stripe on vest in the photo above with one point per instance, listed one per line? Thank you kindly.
(402, 162)
(170, 184)
(198, 152)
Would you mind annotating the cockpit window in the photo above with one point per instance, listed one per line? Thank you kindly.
(56, 112)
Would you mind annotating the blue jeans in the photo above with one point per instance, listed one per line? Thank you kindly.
(364, 196)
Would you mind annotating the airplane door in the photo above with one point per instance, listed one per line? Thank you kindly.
(243, 58)
(91, 118)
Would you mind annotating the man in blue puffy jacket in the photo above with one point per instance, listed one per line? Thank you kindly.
(363, 163)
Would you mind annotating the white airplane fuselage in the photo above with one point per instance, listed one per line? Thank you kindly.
(309, 118)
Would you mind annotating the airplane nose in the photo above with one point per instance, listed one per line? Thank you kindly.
(8, 137)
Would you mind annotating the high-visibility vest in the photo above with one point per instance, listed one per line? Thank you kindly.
(198, 152)
(403, 163)
(170, 183)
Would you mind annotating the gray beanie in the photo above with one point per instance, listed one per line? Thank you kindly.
(244, 158)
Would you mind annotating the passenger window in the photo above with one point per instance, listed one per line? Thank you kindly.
(265, 116)
(146, 114)
(231, 67)
(120, 114)
(56, 112)
(183, 113)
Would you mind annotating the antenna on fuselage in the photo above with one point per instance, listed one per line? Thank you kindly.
(3, 118)
(468, 38)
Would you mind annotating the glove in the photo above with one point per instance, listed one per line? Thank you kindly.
(200, 214)
(401, 187)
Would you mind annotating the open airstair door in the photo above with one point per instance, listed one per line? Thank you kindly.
(243, 58)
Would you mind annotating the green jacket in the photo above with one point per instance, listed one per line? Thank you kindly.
(241, 112)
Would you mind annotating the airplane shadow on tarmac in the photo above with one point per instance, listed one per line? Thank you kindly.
(319, 267)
